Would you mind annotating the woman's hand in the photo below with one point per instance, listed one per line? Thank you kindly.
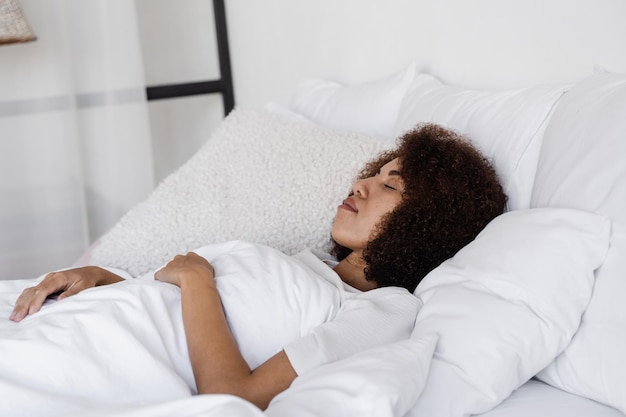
(189, 266)
(67, 283)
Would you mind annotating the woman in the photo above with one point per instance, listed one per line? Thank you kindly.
(410, 209)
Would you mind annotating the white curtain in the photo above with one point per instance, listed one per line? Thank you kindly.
(75, 148)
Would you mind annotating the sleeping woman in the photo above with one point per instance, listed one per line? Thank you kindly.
(254, 319)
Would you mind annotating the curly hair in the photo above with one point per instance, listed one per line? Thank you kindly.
(451, 192)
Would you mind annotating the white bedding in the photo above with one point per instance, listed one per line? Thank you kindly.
(214, 405)
(537, 399)
(120, 350)
(112, 345)
(125, 343)
(372, 383)
(532, 399)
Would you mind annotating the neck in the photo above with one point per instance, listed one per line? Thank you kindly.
(351, 270)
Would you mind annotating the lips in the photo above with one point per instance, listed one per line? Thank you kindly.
(348, 204)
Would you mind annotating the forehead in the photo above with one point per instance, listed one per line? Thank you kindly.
(394, 165)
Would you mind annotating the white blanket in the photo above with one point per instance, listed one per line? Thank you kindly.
(124, 344)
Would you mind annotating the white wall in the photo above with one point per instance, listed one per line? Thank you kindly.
(276, 43)
(481, 43)
(178, 46)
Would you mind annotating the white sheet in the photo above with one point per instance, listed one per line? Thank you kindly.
(120, 344)
(532, 399)
(536, 399)
(125, 343)
(196, 406)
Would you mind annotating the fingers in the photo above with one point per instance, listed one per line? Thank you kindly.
(182, 266)
(198, 260)
(158, 275)
(68, 282)
(73, 289)
(168, 274)
(23, 305)
(31, 299)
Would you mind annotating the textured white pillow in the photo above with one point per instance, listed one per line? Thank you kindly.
(506, 305)
(583, 165)
(507, 126)
(380, 382)
(259, 178)
(370, 108)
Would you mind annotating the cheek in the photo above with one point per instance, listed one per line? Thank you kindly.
(382, 210)
(377, 215)
(349, 233)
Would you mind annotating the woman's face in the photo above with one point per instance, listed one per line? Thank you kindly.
(371, 199)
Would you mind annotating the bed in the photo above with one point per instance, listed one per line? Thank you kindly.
(527, 320)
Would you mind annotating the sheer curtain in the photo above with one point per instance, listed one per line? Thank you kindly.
(75, 147)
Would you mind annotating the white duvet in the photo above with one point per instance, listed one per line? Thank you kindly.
(124, 344)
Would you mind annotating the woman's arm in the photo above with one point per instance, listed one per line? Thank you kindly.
(217, 363)
(68, 282)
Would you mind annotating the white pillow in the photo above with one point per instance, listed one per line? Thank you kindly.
(380, 382)
(370, 108)
(583, 165)
(507, 126)
(506, 305)
(259, 178)
(285, 112)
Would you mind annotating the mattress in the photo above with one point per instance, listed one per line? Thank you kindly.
(536, 399)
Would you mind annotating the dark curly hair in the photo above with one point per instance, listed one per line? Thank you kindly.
(451, 192)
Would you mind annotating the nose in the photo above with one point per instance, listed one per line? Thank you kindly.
(360, 188)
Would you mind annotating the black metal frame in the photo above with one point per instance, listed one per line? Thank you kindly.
(223, 85)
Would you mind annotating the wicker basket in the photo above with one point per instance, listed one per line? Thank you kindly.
(13, 25)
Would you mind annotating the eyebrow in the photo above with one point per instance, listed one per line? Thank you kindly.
(393, 172)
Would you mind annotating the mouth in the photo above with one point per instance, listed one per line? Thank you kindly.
(348, 204)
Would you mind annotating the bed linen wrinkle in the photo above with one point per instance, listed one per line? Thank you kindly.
(84, 352)
(269, 299)
(128, 338)
(389, 312)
